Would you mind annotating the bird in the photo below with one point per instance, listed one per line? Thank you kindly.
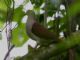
(38, 32)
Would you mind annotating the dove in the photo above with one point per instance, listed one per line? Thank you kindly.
(38, 32)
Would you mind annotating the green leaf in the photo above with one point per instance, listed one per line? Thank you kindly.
(19, 35)
(18, 13)
(3, 6)
(77, 55)
(50, 9)
(74, 8)
(50, 23)
(37, 2)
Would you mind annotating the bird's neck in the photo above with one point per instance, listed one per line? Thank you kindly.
(31, 19)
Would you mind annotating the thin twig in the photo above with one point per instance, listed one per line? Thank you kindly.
(7, 54)
(45, 14)
(6, 26)
(9, 18)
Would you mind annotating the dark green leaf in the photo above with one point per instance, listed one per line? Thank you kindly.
(37, 2)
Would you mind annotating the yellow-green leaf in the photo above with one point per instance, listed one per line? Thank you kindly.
(19, 35)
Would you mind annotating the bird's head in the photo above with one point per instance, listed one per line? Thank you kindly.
(30, 13)
(31, 18)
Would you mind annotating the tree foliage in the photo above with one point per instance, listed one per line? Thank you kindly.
(66, 24)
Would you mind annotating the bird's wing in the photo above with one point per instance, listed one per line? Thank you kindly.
(42, 32)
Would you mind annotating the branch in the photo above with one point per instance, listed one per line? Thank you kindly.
(56, 49)
(7, 54)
